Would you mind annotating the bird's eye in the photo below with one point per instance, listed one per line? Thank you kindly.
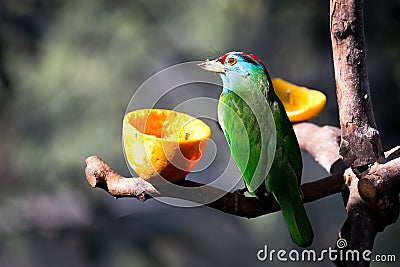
(232, 61)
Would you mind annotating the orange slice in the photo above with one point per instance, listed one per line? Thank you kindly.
(163, 143)
(301, 103)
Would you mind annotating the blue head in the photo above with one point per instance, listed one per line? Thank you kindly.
(238, 70)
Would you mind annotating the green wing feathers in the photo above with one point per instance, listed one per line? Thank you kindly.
(282, 182)
(284, 177)
(296, 219)
(243, 134)
(286, 136)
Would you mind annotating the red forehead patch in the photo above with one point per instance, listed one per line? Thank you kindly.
(253, 57)
(223, 58)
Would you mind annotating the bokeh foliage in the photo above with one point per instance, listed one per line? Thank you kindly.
(67, 72)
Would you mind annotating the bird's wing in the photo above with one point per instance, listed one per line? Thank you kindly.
(286, 137)
(243, 136)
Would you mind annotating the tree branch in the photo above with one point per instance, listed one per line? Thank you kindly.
(99, 174)
(381, 180)
(323, 144)
(360, 144)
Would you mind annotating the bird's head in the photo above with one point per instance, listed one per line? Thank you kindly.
(237, 69)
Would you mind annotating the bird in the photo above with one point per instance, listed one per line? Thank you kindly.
(261, 138)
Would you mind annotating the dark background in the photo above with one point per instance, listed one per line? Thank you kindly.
(67, 72)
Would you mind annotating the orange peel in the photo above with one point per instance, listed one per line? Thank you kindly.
(166, 143)
(301, 103)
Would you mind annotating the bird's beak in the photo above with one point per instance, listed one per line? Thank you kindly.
(213, 66)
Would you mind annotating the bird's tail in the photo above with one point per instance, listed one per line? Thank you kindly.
(296, 219)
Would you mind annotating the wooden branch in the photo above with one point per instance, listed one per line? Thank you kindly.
(360, 143)
(323, 145)
(360, 218)
(381, 180)
(99, 174)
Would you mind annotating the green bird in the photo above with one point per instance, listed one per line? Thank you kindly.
(261, 138)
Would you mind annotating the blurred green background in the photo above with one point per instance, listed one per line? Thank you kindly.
(67, 72)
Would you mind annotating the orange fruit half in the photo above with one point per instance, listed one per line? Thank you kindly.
(301, 103)
(163, 143)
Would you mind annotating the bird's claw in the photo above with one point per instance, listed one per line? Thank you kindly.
(241, 191)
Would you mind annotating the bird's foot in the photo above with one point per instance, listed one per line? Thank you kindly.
(241, 191)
